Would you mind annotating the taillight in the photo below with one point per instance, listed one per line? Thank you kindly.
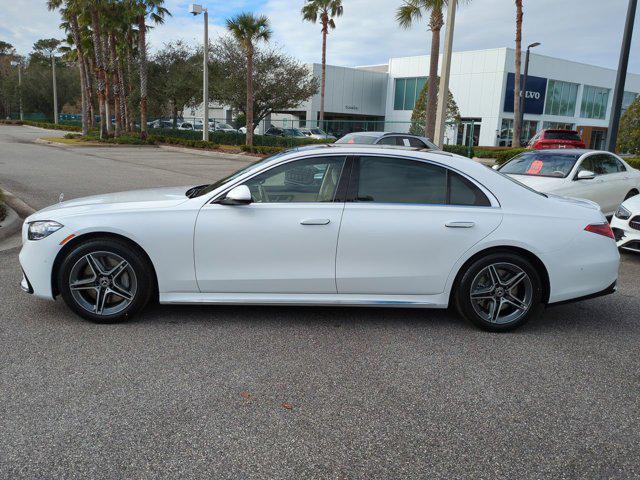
(601, 229)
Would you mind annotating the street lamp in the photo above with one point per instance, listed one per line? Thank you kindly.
(196, 9)
(523, 93)
(17, 63)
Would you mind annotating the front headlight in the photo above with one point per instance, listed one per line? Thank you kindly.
(41, 229)
(622, 213)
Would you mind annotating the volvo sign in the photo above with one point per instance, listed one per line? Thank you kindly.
(534, 96)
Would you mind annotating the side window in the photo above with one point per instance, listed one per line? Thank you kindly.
(395, 180)
(308, 180)
(464, 192)
(587, 164)
(604, 164)
(414, 142)
(387, 141)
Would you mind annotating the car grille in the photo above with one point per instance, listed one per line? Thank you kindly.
(635, 222)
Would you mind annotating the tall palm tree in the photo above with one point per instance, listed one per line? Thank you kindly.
(156, 12)
(327, 10)
(249, 29)
(413, 11)
(517, 127)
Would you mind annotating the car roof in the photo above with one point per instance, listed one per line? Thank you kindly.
(382, 134)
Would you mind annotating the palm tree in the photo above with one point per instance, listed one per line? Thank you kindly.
(248, 30)
(156, 12)
(517, 127)
(412, 11)
(327, 10)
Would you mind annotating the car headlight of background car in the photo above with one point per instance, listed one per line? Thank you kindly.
(622, 213)
(42, 229)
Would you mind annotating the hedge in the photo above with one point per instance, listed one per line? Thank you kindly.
(459, 150)
(634, 162)
(47, 125)
(506, 155)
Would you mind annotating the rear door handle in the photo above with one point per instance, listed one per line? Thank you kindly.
(315, 221)
(459, 224)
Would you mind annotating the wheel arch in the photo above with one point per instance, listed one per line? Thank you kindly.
(80, 239)
(530, 256)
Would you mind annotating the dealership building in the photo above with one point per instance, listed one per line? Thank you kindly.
(559, 94)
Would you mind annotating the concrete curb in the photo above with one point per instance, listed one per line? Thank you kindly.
(11, 224)
(22, 209)
(206, 153)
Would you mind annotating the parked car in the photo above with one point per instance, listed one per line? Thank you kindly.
(387, 138)
(167, 124)
(222, 127)
(601, 177)
(549, 138)
(284, 132)
(317, 133)
(185, 126)
(626, 225)
(416, 228)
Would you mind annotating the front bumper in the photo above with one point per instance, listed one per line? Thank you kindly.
(627, 238)
(36, 260)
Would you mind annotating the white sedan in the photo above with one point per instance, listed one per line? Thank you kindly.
(626, 225)
(601, 177)
(326, 225)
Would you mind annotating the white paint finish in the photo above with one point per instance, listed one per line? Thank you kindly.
(630, 234)
(264, 248)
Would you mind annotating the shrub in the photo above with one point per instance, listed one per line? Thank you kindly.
(459, 150)
(506, 155)
(629, 136)
(10, 122)
(634, 162)
(264, 150)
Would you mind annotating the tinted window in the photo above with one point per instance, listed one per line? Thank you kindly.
(308, 180)
(560, 135)
(388, 141)
(464, 192)
(393, 180)
(414, 142)
(601, 164)
(357, 139)
(541, 164)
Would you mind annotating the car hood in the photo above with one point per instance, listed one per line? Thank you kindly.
(632, 204)
(134, 199)
(541, 184)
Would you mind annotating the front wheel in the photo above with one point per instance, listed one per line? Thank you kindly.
(499, 292)
(105, 281)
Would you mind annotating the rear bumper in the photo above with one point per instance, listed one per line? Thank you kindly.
(607, 291)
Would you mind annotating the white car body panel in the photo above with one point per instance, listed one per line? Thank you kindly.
(630, 235)
(374, 254)
(608, 191)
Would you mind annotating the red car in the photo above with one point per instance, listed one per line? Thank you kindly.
(556, 139)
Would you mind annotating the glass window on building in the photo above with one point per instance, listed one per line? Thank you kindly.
(594, 102)
(529, 129)
(407, 91)
(627, 100)
(561, 98)
(558, 126)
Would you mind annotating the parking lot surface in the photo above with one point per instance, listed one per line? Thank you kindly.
(272, 392)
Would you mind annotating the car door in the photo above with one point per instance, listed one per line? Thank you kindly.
(406, 224)
(605, 188)
(282, 242)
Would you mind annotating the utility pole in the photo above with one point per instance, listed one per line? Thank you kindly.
(614, 118)
(55, 90)
(205, 78)
(18, 63)
(443, 93)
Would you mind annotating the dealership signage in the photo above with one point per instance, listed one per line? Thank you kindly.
(534, 96)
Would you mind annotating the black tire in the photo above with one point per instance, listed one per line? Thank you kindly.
(465, 306)
(139, 275)
(632, 193)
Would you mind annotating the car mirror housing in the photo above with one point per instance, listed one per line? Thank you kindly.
(240, 195)
(586, 175)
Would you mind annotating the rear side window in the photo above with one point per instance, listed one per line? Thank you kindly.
(395, 180)
(562, 135)
(357, 139)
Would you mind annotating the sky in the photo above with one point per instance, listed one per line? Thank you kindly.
(588, 31)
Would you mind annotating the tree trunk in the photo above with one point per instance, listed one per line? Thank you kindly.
(113, 61)
(100, 73)
(174, 112)
(75, 32)
(325, 31)
(249, 111)
(517, 127)
(435, 23)
(123, 96)
(131, 118)
(142, 56)
(106, 59)
(89, 90)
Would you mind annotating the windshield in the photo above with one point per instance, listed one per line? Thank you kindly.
(358, 139)
(225, 125)
(541, 164)
(253, 166)
(562, 135)
(317, 131)
(293, 132)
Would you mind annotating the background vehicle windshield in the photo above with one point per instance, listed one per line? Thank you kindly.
(357, 139)
(541, 164)
(562, 135)
(317, 131)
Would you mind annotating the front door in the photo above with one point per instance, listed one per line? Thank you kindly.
(409, 222)
(283, 242)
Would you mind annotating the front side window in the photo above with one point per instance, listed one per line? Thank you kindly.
(309, 180)
(395, 180)
(601, 164)
(541, 164)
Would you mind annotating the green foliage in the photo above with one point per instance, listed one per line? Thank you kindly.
(459, 150)
(325, 9)
(419, 111)
(629, 133)
(261, 149)
(503, 156)
(230, 138)
(634, 162)
(48, 125)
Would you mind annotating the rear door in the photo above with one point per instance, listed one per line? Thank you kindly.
(407, 222)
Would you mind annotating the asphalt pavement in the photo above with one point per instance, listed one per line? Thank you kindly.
(273, 392)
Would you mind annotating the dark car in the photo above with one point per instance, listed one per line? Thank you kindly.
(548, 138)
(284, 132)
(387, 138)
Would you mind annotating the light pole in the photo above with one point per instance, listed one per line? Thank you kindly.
(523, 92)
(55, 89)
(614, 119)
(18, 63)
(196, 9)
(443, 93)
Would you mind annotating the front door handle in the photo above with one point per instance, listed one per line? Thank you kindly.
(315, 221)
(459, 224)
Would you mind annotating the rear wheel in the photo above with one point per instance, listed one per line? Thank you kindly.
(105, 281)
(499, 292)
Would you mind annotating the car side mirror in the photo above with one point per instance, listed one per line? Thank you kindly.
(240, 195)
(496, 166)
(586, 175)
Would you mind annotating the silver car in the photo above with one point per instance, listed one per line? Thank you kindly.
(388, 138)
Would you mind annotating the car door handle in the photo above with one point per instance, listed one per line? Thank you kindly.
(459, 224)
(315, 221)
